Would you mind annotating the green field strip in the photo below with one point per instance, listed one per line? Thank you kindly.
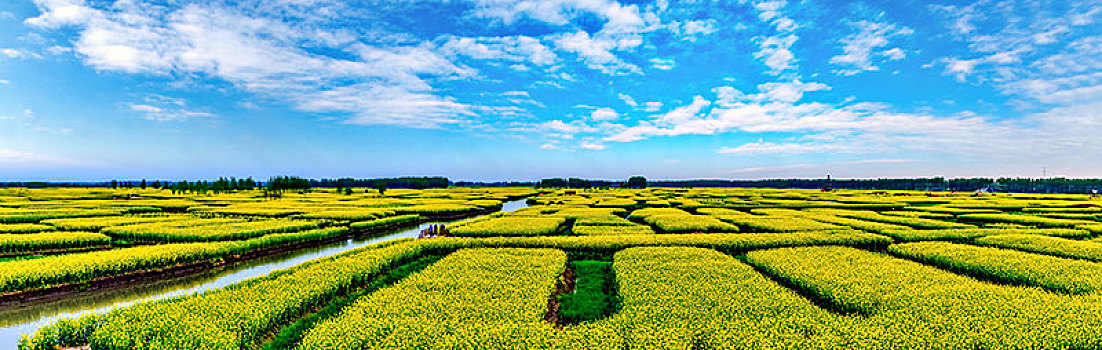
(30, 243)
(686, 298)
(926, 307)
(971, 233)
(913, 222)
(511, 226)
(594, 296)
(239, 316)
(1062, 247)
(291, 335)
(445, 305)
(1007, 266)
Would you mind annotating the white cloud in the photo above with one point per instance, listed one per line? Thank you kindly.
(630, 101)
(789, 92)
(511, 48)
(265, 55)
(17, 53)
(775, 52)
(694, 29)
(4, 82)
(762, 147)
(592, 145)
(817, 169)
(894, 54)
(14, 159)
(675, 117)
(621, 30)
(860, 47)
(165, 109)
(604, 114)
(559, 12)
(1063, 135)
(661, 64)
(652, 106)
(1048, 55)
(770, 12)
(597, 52)
(563, 127)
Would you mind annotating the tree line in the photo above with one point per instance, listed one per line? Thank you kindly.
(1022, 185)
(284, 183)
(419, 183)
(633, 182)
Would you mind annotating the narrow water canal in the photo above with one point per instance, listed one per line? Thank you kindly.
(16, 320)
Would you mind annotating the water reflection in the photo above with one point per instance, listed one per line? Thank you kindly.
(25, 318)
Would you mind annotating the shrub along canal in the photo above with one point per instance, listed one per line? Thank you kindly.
(27, 317)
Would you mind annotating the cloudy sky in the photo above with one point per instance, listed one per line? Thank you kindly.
(524, 89)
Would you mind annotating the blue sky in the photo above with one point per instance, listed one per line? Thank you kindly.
(504, 90)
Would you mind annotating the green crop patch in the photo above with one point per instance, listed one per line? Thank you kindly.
(1069, 248)
(590, 230)
(410, 315)
(510, 226)
(594, 292)
(594, 268)
(1025, 220)
(209, 230)
(22, 244)
(689, 224)
(1049, 272)
(754, 223)
(25, 228)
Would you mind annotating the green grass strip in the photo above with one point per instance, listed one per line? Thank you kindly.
(291, 335)
(592, 296)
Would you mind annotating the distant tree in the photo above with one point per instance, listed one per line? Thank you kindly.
(143, 185)
(157, 184)
(636, 182)
(347, 191)
(578, 183)
(114, 183)
(552, 183)
(282, 183)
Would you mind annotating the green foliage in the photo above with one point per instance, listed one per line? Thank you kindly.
(1027, 220)
(1049, 272)
(63, 333)
(1068, 248)
(291, 335)
(236, 317)
(970, 233)
(592, 297)
(511, 226)
(24, 228)
(636, 182)
(24, 275)
(385, 222)
(914, 306)
(915, 222)
(36, 215)
(592, 230)
(98, 223)
(21, 244)
(206, 230)
(411, 314)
